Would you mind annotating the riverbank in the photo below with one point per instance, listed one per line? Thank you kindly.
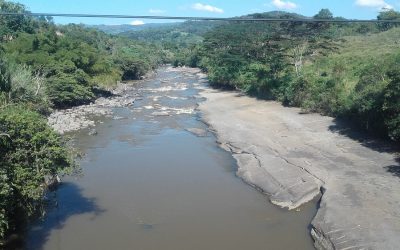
(293, 157)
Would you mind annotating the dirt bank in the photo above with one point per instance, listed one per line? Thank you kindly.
(293, 157)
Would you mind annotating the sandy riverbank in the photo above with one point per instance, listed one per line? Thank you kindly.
(293, 157)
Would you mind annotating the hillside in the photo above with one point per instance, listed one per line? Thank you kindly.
(184, 34)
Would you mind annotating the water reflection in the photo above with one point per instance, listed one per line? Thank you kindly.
(68, 201)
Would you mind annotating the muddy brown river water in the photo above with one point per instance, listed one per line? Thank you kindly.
(148, 183)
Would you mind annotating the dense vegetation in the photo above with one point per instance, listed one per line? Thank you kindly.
(75, 60)
(342, 70)
(45, 66)
(30, 151)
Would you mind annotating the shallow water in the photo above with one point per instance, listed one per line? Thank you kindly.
(148, 183)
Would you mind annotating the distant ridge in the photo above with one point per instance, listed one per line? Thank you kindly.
(117, 29)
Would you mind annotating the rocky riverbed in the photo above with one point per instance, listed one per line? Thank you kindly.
(293, 157)
(85, 116)
(124, 95)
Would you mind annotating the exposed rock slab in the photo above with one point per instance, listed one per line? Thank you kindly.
(292, 156)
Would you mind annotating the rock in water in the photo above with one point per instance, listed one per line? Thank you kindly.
(198, 132)
(52, 181)
(93, 132)
(161, 113)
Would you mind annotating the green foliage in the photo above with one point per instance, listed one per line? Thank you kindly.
(81, 58)
(257, 79)
(27, 87)
(69, 90)
(11, 25)
(135, 59)
(257, 58)
(18, 85)
(5, 193)
(5, 83)
(368, 98)
(132, 69)
(29, 151)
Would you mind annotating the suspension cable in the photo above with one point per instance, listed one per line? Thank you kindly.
(244, 19)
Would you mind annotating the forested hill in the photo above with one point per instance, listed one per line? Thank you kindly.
(45, 66)
(171, 31)
(118, 29)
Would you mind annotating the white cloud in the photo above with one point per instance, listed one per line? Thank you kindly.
(205, 7)
(156, 11)
(280, 4)
(380, 4)
(137, 22)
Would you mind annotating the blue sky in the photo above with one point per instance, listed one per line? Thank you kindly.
(360, 9)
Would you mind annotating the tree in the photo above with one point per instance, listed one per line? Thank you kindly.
(5, 83)
(390, 15)
(321, 27)
(324, 14)
(11, 25)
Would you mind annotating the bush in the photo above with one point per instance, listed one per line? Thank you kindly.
(368, 99)
(256, 80)
(390, 15)
(133, 69)
(392, 103)
(29, 151)
(66, 91)
(295, 92)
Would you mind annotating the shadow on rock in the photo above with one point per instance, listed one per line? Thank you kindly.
(372, 141)
(394, 169)
(68, 202)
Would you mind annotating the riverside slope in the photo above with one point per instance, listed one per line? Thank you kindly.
(292, 156)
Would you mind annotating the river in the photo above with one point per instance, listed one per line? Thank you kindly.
(150, 181)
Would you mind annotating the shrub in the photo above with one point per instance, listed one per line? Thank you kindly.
(392, 103)
(66, 91)
(368, 100)
(29, 151)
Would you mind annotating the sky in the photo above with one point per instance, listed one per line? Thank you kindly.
(354, 9)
